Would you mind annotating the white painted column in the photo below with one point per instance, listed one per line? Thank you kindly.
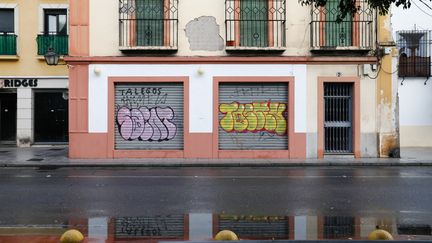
(24, 117)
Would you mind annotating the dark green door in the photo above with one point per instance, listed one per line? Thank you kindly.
(149, 22)
(51, 117)
(337, 34)
(8, 118)
(253, 23)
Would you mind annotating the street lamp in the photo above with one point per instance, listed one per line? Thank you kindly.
(51, 57)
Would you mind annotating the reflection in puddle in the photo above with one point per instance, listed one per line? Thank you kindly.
(204, 226)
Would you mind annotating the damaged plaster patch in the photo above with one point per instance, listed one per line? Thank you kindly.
(203, 34)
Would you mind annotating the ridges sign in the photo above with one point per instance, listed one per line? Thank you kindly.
(17, 83)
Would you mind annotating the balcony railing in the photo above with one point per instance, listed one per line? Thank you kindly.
(148, 24)
(255, 24)
(8, 44)
(414, 53)
(59, 43)
(354, 32)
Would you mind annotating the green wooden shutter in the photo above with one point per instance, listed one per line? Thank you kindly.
(149, 24)
(253, 23)
(337, 34)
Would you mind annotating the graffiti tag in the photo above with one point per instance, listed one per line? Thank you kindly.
(254, 117)
(144, 124)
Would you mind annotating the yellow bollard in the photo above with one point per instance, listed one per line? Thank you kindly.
(380, 234)
(226, 235)
(71, 236)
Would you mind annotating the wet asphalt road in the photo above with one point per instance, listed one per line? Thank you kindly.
(29, 195)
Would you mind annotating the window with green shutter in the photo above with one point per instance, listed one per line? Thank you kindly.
(337, 34)
(150, 22)
(254, 23)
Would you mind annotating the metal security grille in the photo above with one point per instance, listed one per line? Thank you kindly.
(358, 31)
(148, 23)
(338, 227)
(414, 53)
(171, 226)
(256, 227)
(338, 118)
(253, 116)
(255, 23)
(149, 116)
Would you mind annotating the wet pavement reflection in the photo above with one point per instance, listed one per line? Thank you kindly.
(204, 226)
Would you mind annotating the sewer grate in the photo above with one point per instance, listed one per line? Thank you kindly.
(56, 149)
(3, 152)
(35, 159)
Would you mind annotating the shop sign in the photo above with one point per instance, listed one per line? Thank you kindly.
(18, 83)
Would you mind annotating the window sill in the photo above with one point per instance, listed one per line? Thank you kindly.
(42, 58)
(253, 48)
(148, 48)
(340, 48)
(9, 57)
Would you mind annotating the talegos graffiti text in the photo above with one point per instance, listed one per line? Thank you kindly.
(254, 117)
(146, 124)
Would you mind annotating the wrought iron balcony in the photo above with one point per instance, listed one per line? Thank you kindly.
(8, 44)
(354, 32)
(414, 53)
(148, 24)
(59, 43)
(255, 24)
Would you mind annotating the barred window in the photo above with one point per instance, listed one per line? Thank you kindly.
(414, 53)
(255, 23)
(148, 23)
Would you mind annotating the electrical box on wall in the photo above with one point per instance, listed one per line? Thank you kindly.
(368, 69)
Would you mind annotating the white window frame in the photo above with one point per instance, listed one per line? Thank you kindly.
(13, 6)
(42, 7)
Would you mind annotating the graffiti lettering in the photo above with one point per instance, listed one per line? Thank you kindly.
(144, 124)
(254, 117)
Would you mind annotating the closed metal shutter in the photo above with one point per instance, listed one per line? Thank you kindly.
(253, 116)
(171, 226)
(249, 227)
(149, 116)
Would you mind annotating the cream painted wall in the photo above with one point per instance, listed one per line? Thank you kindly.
(28, 63)
(104, 26)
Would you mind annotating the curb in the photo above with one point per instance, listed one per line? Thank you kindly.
(212, 165)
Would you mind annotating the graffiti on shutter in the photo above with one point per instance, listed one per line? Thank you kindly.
(253, 116)
(149, 116)
(169, 226)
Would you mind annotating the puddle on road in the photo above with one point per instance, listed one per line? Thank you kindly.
(204, 226)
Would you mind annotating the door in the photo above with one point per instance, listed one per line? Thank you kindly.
(149, 116)
(51, 116)
(337, 34)
(8, 117)
(150, 22)
(253, 23)
(338, 117)
(253, 116)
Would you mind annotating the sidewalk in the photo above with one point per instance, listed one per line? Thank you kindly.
(56, 156)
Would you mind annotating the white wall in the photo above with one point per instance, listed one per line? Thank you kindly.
(415, 98)
(201, 89)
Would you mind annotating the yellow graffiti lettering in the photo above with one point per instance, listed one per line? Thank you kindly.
(254, 117)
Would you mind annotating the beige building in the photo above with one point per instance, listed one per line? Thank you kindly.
(229, 79)
(33, 95)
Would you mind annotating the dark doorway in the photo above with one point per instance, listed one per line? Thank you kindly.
(8, 117)
(338, 110)
(51, 116)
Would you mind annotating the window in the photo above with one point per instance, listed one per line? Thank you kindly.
(255, 23)
(54, 34)
(148, 23)
(7, 30)
(55, 21)
(353, 32)
(414, 53)
(7, 24)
